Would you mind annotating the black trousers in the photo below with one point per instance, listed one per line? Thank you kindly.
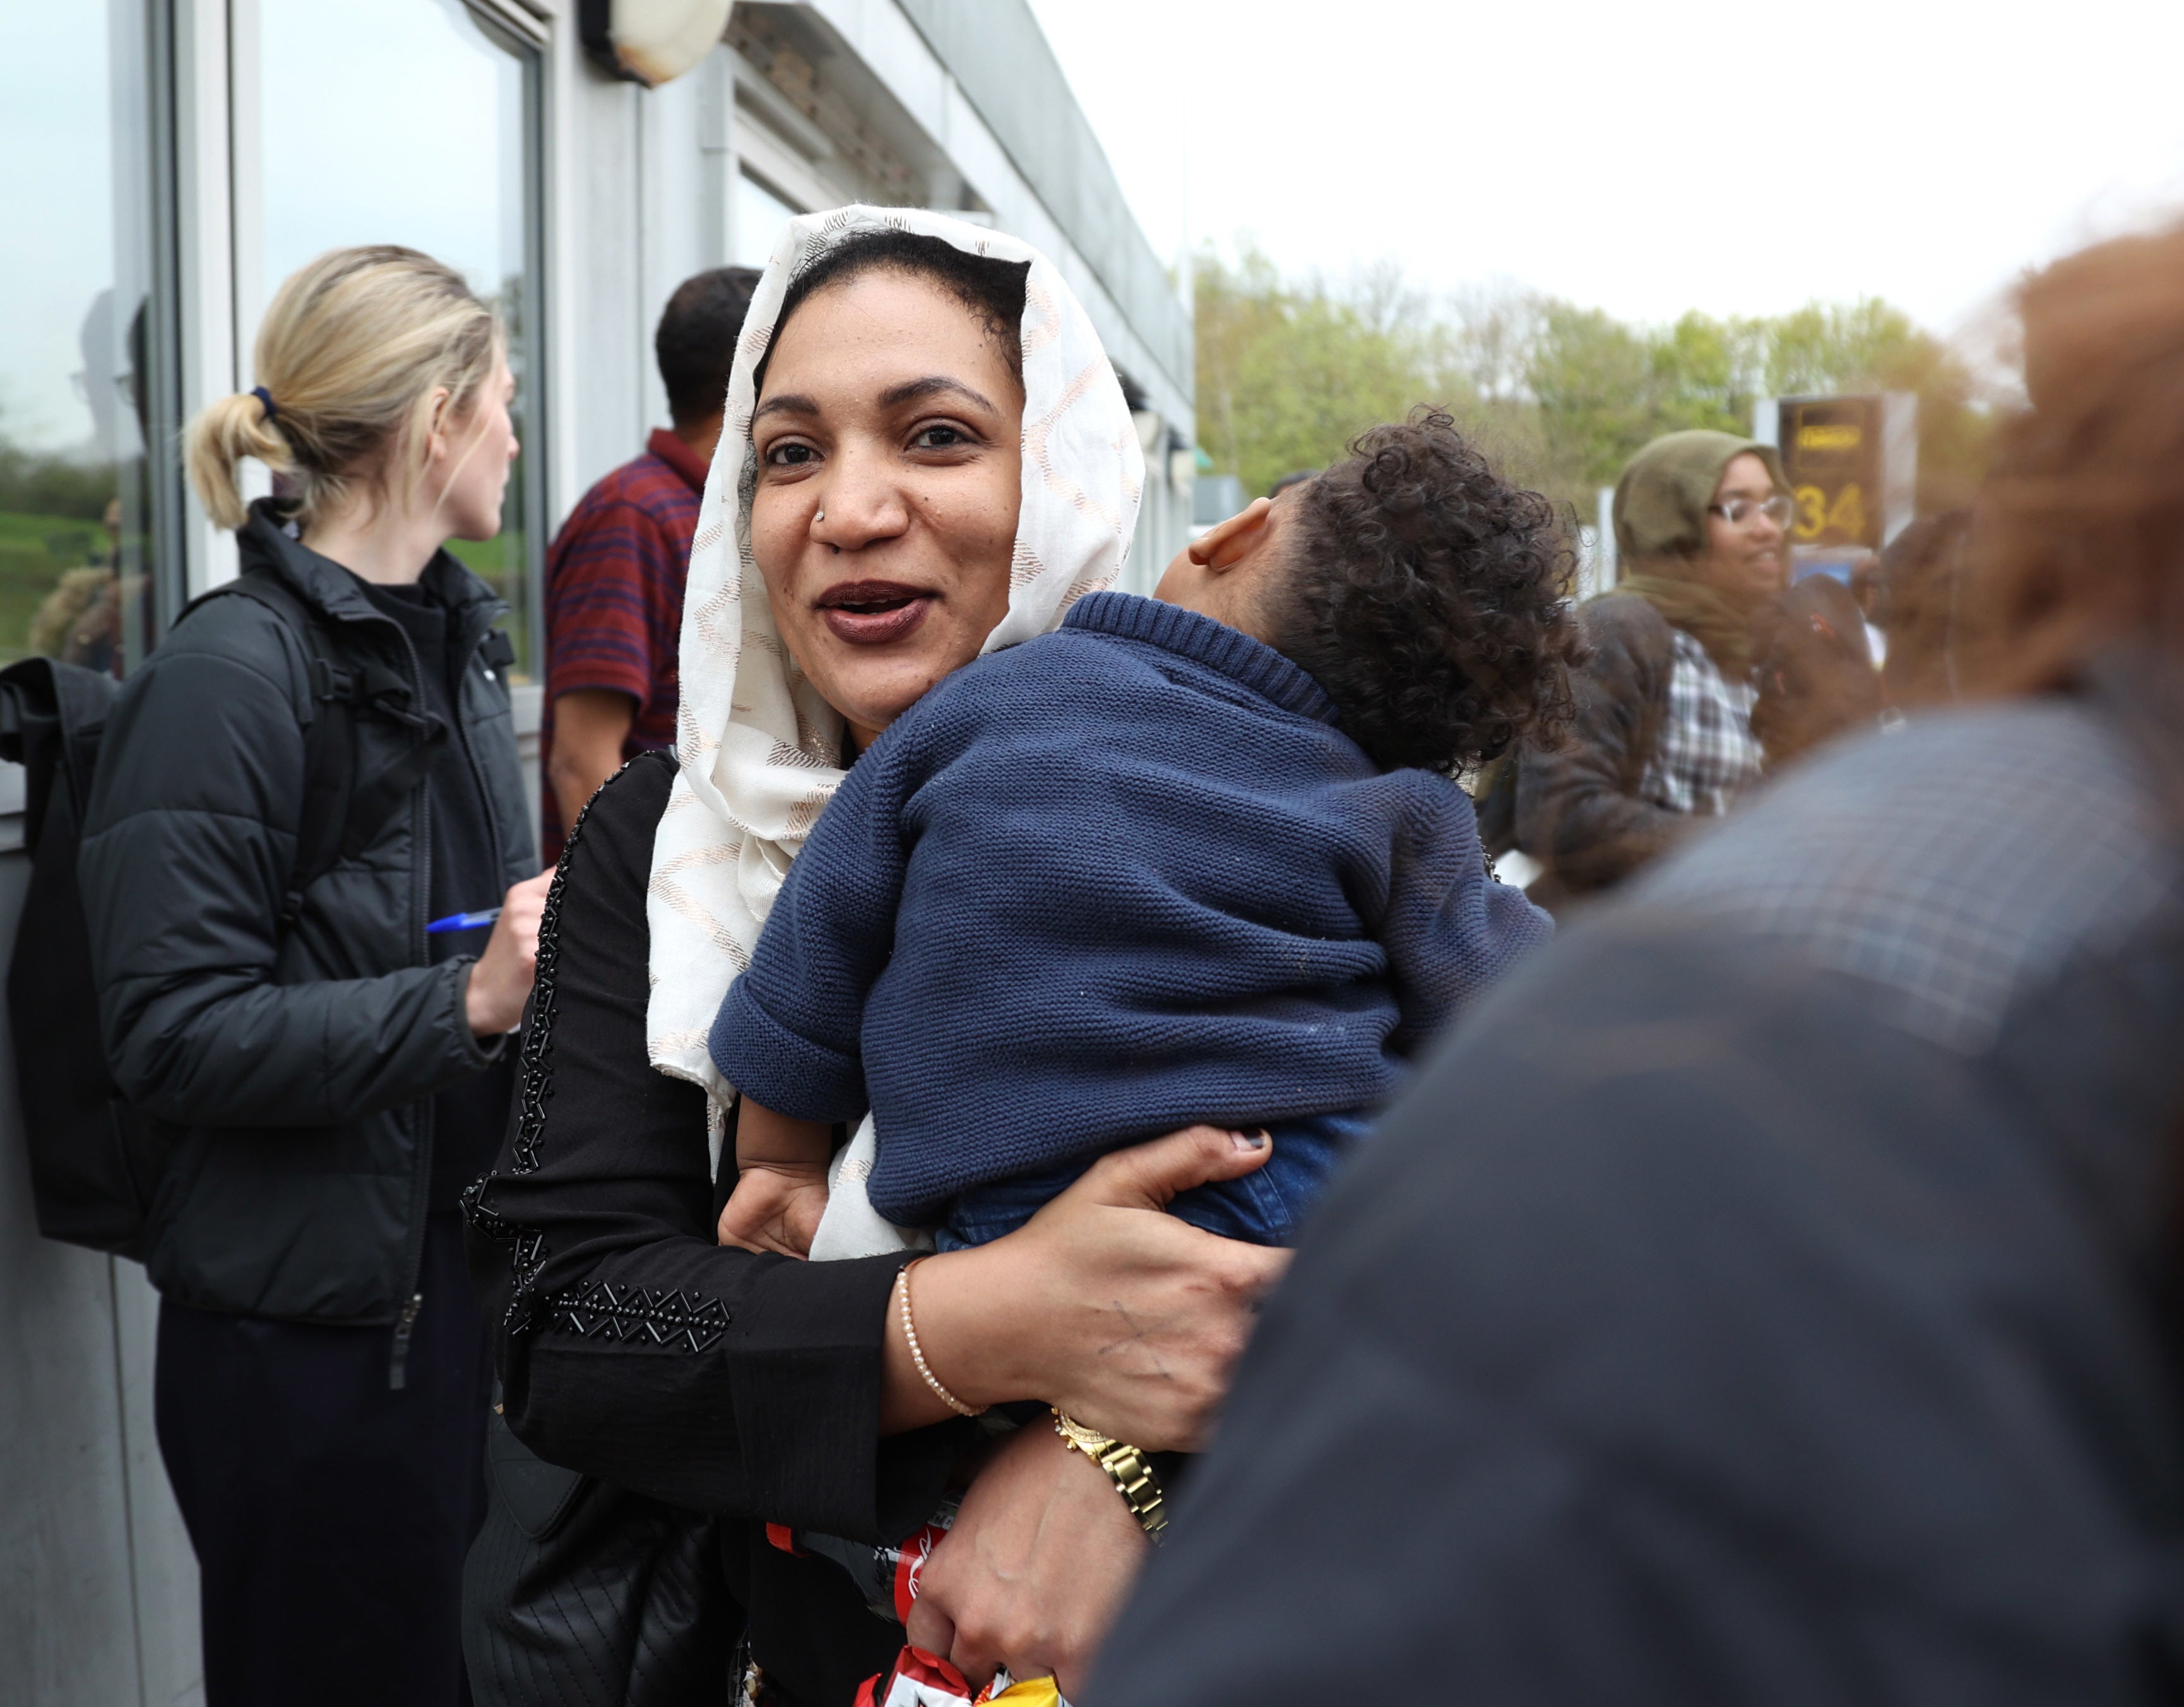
(331, 1513)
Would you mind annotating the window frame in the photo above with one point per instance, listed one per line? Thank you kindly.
(166, 499)
(230, 177)
(518, 33)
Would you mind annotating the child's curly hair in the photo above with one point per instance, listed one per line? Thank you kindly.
(1429, 598)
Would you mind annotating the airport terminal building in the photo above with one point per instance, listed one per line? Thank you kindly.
(176, 160)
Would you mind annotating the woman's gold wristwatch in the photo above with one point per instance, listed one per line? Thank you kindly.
(1127, 1468)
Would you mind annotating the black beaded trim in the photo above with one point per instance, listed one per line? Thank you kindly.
(693, 1314)
(527, 1257)
(603, 1310)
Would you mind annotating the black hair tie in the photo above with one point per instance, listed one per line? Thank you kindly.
(265, 401)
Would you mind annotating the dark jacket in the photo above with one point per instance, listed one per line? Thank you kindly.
(634, 1347)
(1578, 810)
(1770, 1296)
(299, 1066)
(1140, 839)
(1814, 669)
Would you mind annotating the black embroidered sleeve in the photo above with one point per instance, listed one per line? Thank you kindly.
(527, 1245)
(663, 1317)
(630, 1344)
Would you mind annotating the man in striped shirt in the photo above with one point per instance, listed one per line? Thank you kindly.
(614, 572)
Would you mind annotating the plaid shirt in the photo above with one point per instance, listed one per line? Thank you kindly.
(1960, 863)
(614, 598)
(1707, 754)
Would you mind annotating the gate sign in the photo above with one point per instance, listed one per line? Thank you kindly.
(1853, 464)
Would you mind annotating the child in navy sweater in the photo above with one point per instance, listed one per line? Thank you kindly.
(1191, 858)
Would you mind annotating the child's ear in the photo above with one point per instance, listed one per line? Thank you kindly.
(1226, 543)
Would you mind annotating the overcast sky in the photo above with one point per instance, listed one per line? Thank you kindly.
(1646, 158)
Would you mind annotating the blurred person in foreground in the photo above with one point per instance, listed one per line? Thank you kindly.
(615, 573)
(1670, 728)
(1770, 1294)
(1917, 596)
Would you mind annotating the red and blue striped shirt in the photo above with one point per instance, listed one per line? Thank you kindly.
(614, 598)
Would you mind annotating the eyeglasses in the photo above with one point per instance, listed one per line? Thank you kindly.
(1737, 511)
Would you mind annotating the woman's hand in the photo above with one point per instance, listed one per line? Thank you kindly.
(1103, 1304)
(500, 980)
(1042, 1556)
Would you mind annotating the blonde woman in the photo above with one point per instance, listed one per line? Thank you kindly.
(308, 772)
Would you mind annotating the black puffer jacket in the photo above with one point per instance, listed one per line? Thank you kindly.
(300, 1065)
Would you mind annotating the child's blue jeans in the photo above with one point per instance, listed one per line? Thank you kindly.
(1264, 1207)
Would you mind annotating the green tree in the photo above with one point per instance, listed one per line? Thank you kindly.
(1824, 345)
(1288, 373)
(1708, 372)
(1871, 346)
(35, 484)
(1593, 380)
(1561, 396)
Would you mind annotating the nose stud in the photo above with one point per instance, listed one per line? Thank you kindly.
(821, 516)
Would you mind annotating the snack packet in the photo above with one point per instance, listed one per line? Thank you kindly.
(919, 1679)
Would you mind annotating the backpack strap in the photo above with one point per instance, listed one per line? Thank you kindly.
(341, 814)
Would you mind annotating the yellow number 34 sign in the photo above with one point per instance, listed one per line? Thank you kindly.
(1852, 461)
(1821, 515)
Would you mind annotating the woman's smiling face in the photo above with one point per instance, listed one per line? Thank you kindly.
(889, 434)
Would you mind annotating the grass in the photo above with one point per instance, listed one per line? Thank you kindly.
(35, 552)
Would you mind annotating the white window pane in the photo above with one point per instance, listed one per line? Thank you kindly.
(407, 121)
(761, 217)
(391, 122)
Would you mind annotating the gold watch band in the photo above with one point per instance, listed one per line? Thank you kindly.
(1130, 1470)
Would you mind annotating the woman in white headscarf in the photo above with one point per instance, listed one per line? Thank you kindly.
(928, 456)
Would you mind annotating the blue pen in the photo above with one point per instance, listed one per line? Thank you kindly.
(463, 921)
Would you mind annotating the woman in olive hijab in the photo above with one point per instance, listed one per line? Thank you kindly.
(1663, 735)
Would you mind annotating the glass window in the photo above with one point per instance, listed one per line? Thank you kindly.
(760, 217)
(413, 122)
(84, 341)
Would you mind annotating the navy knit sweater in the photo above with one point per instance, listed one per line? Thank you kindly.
(1121, 878)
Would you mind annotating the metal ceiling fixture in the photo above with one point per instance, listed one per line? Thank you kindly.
(650, 41)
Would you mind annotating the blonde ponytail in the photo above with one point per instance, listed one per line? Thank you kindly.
(352, 349)
(227, 431)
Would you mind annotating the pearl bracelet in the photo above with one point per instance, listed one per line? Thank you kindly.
(918, 1353)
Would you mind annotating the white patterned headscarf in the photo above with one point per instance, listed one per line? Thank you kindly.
(761, 750)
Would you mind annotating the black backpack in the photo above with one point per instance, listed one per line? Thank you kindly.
(97, 1161)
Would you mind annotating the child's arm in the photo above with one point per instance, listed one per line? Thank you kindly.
(1449, 928)
(781, 1182)
(790, 1030)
